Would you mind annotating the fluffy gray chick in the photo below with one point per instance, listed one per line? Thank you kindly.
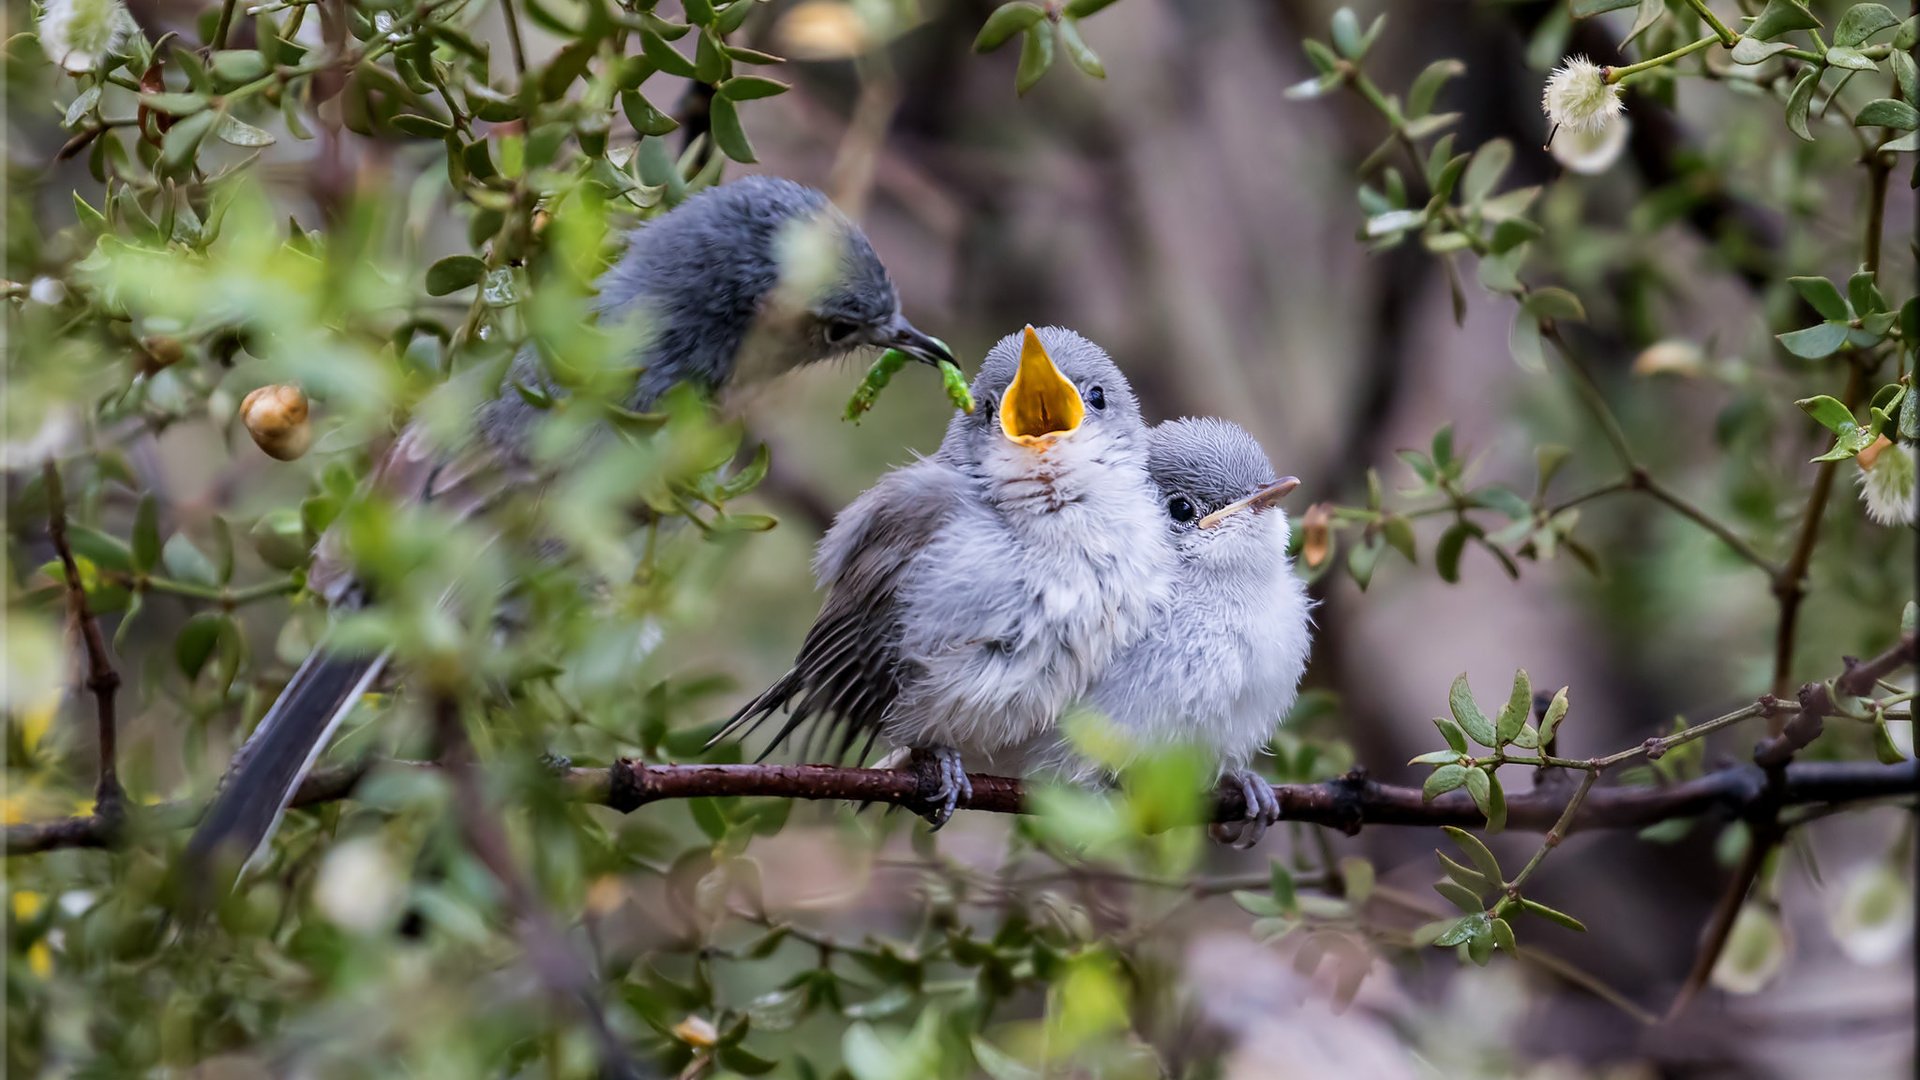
(1220, 665)
(974, 594)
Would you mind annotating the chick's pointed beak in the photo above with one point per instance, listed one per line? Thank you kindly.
(1042, 404)
(1263, 499)
(906, 337)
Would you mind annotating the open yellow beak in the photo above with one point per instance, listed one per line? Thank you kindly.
(1042, 404)
(1259, 500)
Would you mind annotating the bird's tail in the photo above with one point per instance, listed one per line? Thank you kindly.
(270, 765)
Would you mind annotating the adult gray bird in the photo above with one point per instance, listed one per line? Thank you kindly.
(752, 278)
(973, 594)
(1220, 664)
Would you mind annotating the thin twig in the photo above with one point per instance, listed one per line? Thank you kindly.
(109, 800)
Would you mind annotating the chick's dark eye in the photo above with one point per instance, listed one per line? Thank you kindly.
(839, 330)
(1097, 398)
(1180, 508)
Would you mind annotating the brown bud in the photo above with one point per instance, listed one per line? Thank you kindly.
(276, 417)
(160, 351)
(1872, 453)
(1316, 541)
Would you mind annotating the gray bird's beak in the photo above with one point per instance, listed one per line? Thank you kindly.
(925, 348)
(1263, 499)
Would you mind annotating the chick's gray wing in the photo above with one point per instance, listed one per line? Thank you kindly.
(848, 672)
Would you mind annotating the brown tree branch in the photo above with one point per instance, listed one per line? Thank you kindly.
(102, 679)
(1346, 803)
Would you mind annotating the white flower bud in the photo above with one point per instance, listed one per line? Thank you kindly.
(1887, 482)
(78, 33)
(276, 417)
(1578, 98)
(358, 887)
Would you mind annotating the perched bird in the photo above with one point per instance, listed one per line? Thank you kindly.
(1220, 664)
(972, 595)
(752, 278)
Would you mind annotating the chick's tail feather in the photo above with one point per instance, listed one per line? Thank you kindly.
(270, 765)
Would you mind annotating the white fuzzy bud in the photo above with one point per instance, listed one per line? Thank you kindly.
(1887, 482)
(77, 34)
(1579, 99)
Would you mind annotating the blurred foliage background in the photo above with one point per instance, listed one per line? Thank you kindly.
(377, 202)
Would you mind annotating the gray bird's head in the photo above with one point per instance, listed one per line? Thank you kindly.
(1219, 492)
(1050, 406)
(754, 278)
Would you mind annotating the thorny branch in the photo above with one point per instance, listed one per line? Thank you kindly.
(102, 679)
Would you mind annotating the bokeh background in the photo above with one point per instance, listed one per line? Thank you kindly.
(1201, 227)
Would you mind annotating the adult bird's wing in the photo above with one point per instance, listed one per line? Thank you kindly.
(849, 669)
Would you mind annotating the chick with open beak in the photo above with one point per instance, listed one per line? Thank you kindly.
(1221, 664)
(974, 594)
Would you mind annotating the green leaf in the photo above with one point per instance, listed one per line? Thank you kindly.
(1864, 294)
(238, 65)
(188, 563)
(195, 643)
(641, 113)
(1398, 533)
(1587, 9)
(1036, 56)
(663, 57)
(1468, 715)
(699, 12)
(1083, 57)
(1815, 342)
(1460, 931)
(174, 104)
(1489, 164)
(1427, 85)
(1556, 712)
(1444, 779)
(1467, 877)
(1006, 21)
(1780, 17)
(1480, 786)
(1446, 553)
(1886, 112)
(1346, 33)
(1751, 50)
(81, 106)
(1496, 805)
(105, 552)
(1477, 853)
(183, 139)
(728, 134)
(1533, 907)
(1842, 56)
(1450, 731)
(748, 88)
(1830, 413)
(1362, 559)
(1513, 715)
(235, 133)
(1861, 22)
(1823, 295)
(453, 273)
(1000, 1065)
(711, 65)
(1458, 895)
(1503, 936)
(1435, 757)
(1906, 76)
(146, 534)
(1080, 9)
(1480, 945)
(1554, 302)
(1800, 100)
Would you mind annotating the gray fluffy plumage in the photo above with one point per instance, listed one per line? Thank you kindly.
(973, 594)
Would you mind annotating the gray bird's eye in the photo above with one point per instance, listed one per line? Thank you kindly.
(1097, 398)
(1180, 508)
(840, 330)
